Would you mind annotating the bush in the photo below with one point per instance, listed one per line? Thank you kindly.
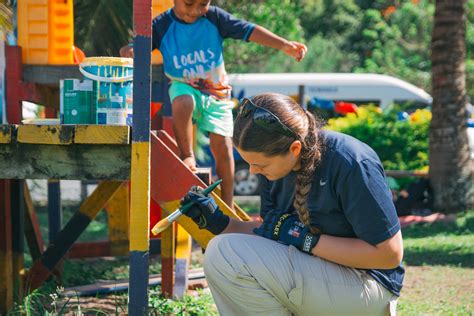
(400, 144)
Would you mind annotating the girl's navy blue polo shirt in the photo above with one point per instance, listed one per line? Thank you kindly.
(349, 197)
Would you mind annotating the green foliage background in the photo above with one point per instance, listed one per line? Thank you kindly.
(378, 36)
(401, 145)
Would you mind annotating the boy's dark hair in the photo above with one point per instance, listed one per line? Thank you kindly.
(251, 137)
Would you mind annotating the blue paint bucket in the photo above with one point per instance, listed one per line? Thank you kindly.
(114, 78)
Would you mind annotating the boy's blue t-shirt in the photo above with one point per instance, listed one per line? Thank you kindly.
(349, 197)
(193, 53)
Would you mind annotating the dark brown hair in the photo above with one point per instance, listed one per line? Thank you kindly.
(251, 137)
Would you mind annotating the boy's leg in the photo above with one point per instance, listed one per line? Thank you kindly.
(221, 148)
(185, 102)
(182, 112)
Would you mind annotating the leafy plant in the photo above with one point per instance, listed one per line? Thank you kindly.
(201, 304)
(401, 145)
(38, 303)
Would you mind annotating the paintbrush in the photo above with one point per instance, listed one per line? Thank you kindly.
(165, 222)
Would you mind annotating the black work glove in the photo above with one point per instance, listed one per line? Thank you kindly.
(287, 229)
(204, 211)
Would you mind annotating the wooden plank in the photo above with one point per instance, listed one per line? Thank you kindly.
(13, 87)
(184, 246)
(202, 236)
(97, 200)
(6, 269)
(167, 258)
(106, 286)
(33, 234)
(102, 134)
(140, 173)
(104, 249)
(6, 132)
(74, 162)
(164, 142)
(18, 232)
(183, 258)
(237, 209)
(168, 141)
(55, 214)
(43, 267)
(118, 220)
(183, 243)
(46, 134)
(90, 250)
(51, 74)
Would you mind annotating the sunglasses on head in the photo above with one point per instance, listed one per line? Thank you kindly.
(264, 118)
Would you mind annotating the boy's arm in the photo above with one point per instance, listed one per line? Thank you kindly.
(262, 36)
(126, 51)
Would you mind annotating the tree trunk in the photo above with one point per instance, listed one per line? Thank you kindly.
(450, 165)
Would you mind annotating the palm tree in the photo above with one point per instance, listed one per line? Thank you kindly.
(5, 17)
(450, 166)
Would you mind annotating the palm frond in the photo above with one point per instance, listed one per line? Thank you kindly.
(102, 27)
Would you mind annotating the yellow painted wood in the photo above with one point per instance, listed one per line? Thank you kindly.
(46, 134)
(18, 272)
(183, 244)
(167, 242)
(140, 197)
(227, 210)
(102, 134)
(202, 236)
(6, 284)
(96, 201)
(6, 132)
(118, 219)
(238, 210)
(33, 234)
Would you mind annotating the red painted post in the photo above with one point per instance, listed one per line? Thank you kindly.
(13, 82)
(6, 269)
(13, 75)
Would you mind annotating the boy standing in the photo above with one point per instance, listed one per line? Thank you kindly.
(190, 38)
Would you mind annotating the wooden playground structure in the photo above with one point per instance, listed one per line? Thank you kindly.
(137, 166)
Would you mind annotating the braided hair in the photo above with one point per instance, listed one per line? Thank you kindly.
(250, 137)
(309, 158)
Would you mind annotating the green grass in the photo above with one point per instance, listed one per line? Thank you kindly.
(439, 261)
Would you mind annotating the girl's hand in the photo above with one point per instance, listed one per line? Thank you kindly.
(288, 230)
(296, 50)
(205, 212)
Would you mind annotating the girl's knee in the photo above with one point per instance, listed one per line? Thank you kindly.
(217, 251)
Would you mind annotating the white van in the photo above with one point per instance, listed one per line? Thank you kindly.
(351, 87)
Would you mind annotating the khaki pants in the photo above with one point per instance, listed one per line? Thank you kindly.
(251, 275)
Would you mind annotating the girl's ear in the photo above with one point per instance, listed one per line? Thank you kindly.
(295, 148)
